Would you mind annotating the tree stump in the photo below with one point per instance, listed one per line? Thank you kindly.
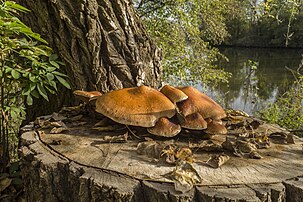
(81, 163)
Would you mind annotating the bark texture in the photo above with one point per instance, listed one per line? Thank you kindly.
(102, 42)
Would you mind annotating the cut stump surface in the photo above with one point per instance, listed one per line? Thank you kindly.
(79, 165)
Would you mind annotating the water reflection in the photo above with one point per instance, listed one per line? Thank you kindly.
(251, 89)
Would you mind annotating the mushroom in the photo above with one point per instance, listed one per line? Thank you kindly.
(140, 106)
(164, 127)
(175, 95)
(214, 127)
(201, 112)
(194, 121)
(87, 96)
(198, 102)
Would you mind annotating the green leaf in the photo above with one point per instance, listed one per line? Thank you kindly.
(15, 74)
(29, 88)
(29, 100)
(50, 76)
(53, 57)
(42, 91)
(14, 115)
(0, 73)
(63, 82)
(51, 69)
(25, 74)
(35, 93)
(32, 78)
(59, 73)
(53, 84)
(54, 64)
(50, 90)
(14, 5)
(7, 69)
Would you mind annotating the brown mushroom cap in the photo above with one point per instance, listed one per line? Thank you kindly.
(175, 95)
(87, 96)
(194, 121)
(198, 102)
(213, 127)
(164, 127)
(139, 106)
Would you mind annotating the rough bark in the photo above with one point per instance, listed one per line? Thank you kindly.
(79, 166)
(102, 42)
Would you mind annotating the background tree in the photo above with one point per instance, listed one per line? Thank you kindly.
(184, 29)
(270, 23)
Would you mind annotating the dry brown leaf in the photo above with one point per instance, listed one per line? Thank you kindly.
(58, 117)
(4, 183)
(217, 160)
(150, 148)
(206, 146)
(184, 176)
(115, 138)
(56, 130)
(255, 155)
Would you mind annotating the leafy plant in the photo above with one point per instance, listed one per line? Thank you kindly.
(183, 30)
(28, 69)
(287, 110)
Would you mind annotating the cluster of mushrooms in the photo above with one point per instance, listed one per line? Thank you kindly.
(162, 112)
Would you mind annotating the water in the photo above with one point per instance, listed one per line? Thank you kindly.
(252, 89)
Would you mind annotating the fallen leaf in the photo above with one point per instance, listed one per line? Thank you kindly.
(4, 183)
(150, 148)
(255, 155)
(184, 176)
(217, 160)
(206, 146)
(56, 130)
(114, 139)
(58, 117)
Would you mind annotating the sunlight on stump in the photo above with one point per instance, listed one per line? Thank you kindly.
(83, 163)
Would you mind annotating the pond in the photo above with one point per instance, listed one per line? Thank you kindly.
(258, 77)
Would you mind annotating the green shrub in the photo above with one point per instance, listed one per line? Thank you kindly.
(287, 110)
(28, 69)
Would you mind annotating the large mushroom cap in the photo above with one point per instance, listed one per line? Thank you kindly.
(175, 95)
(139, 106)
(198, 102)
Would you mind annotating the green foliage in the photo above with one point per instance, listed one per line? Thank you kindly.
(183, 29)
(271, 23)
(287, 110)
(29, 69)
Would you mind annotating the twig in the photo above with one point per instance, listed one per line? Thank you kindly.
(132, 132)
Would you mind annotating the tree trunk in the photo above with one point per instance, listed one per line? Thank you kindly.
(102, 42)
